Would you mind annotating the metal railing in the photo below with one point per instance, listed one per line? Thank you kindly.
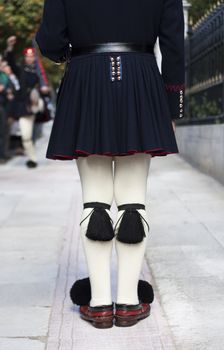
(204, 48)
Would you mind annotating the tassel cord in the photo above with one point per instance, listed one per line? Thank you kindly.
(86, 216)
(91, 213)
(119, 220)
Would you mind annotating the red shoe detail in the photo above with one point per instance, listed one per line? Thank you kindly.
(128, 315)
(100, 316)
(132, 312)
(85, 309)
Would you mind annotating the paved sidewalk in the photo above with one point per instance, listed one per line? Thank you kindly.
(41, 255)
(186, 252)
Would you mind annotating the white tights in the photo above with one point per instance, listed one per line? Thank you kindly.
(127, 185)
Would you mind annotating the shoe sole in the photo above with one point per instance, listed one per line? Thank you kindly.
(99, 322)
(122, 321)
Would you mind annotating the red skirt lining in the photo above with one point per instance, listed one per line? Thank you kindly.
(80, 153)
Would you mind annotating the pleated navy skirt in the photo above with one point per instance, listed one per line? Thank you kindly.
(98, 115)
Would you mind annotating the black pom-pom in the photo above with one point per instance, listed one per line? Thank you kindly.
(131, 228)
(145, 292)
(80, 293)
(100, 227)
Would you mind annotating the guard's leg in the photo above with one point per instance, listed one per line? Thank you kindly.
(96, 223)
(132, 227)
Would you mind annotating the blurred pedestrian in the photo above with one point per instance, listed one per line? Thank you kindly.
(28, 99)
(10, 107)
(4, 85)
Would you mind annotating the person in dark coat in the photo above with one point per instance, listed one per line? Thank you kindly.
(4, 85)
(10, 106)
(115, 108)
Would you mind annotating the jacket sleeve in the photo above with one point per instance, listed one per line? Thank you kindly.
(52, 35)
(10, 58)
(171, 42)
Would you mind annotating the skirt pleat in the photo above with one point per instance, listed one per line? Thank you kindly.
(95, 115)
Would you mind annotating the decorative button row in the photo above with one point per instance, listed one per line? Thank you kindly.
(115, 68)
(181, 103)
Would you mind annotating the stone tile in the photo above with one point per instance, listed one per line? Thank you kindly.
(24, 238)
(186, 257)
(20, 344)
(24, 322)
(27, 294)
(32, 273)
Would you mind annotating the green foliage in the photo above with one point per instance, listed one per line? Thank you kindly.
(204, 107)
(54, 72)
(22, 18)
(199, 7)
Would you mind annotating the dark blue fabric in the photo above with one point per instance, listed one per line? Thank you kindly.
(112, 117)
(95, 115)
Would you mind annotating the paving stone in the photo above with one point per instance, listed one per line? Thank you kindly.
(20, 344)
(24, 321)
(186, 257)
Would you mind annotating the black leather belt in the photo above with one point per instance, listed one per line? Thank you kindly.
(112, 47)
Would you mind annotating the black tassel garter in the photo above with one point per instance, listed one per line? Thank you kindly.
(100, 226)
(131, 229)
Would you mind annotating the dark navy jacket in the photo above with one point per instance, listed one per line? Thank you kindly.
(84, 22)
